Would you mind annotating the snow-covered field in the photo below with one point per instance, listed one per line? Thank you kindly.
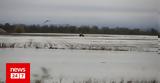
(90, 42)
(93, 58)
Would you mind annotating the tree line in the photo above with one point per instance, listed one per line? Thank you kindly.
(21, 28)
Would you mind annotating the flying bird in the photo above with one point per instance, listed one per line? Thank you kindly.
(46, 21)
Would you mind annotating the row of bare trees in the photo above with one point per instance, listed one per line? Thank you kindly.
(21, 28)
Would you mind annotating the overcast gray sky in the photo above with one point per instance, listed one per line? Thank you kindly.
(129, 13)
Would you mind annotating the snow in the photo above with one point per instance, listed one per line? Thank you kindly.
(83, 64)
(90, 42)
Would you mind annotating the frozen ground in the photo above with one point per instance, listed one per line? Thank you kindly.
(83, 64)
(76, 65)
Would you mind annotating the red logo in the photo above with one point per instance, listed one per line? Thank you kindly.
(18, 73)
